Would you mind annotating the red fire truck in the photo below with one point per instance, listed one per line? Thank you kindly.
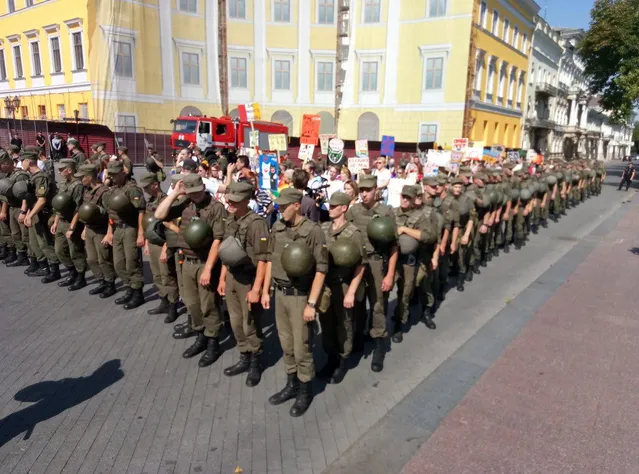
(210, 133)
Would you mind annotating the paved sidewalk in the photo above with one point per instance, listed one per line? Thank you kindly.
(563, 396)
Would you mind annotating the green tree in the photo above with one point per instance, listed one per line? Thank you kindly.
(610, 51)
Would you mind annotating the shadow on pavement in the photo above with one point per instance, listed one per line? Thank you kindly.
(50, 398)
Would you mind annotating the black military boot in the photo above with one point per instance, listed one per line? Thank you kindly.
(54, 274)
(518, 244)
(136, 300)
(161, 309)
(198, 346)
(398, 333)
(4, 250)
(469, 275)
(476, 269)
(379, 353)
(212, 352)
(128, 294)
(184, 331)
(506, 248)
(33, 266)
(10, 258)
(329, 367)
(98, 289)
(544, 223)
(427, 318)
(70, 279)
(43, 269)
(240, 367)
(495, 252)
(303, 400)
(173, 313)
(484, 261)
(534, 229)
(288, 392)
(255, 371)
(109, 289)
(460, 283)
(340, 372)
(79, 283)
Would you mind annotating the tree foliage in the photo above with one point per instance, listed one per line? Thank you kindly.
(610, 51)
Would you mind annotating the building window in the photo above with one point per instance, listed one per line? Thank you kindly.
(495, 29)
(282, 10)
(126, 123)
(191, 68)
(188, 6)
(372, 10)
(326, 12)
(3, 66)
(427, 133)
(369, 76)
(282, 75)
(42, 111)
(77, 50)
(237, 9)
(524, 42)
(434, 73)
(506, 30)
(516, 37)
(84, 111)
(436, 8)
(502, 82)
(62, 111)
(325, 76)
(238, 72)
(35, 57)
(520, 91)
(491, 80)
(24, 111)
(11, 5)
(511, 88)
(28, 3)
(17, 56)
(483, 13)
(479, 69)
(56, 54)
(123, 59)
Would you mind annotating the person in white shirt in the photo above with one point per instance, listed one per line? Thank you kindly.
(383, 175)
(395, 186)
(211, 185)
(334, 181)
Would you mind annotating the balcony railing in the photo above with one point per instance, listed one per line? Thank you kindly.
(541, 122)
(547, 88)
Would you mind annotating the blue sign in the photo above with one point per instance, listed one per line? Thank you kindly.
(388, 146)
(269, 172)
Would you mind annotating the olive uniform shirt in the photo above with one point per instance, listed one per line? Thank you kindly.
(44, 187)
(210, 211)
(138, 203)
(360, 216)
(94, 195)
(347, 231)
(252, 231)
(75, 189)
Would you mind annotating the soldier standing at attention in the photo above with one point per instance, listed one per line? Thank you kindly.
(201, 267)
(165, 280)
(69, 246)
(123, 156)
(77, 153)
(344, 286)
(99, 254)
(450, 235)
(242, 278)
(295, 297)
(380, 271)
(125, 204)
(6, 164)
(16, 212)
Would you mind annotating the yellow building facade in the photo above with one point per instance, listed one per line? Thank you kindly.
(136, 64)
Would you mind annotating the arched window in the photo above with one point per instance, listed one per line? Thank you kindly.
(328, 123)
(190, 110)
(283, 117)
(234, 113)
(368, 127)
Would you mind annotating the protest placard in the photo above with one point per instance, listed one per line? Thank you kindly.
(310, 129)
(460, 144)
(254, 138)
(277, 141)
(388, 145)
(306, 152)
(336, 151)
(357, 164)
(361, 148)
(440, 158)
(269, 172)
(249, 112)
(324, 138)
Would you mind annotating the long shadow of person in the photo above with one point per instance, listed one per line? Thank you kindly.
(52, 397)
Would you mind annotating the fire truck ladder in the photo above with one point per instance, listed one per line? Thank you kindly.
(341, 60)
(222, 56)
(469, 121)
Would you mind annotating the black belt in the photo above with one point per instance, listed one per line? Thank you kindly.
(122, 225)
(290, 291)
(188, 258)
(375, 256)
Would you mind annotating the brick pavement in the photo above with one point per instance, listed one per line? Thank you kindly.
(166, 415)
(562, 397)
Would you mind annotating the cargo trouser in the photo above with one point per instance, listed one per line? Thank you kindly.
(378, 300)
(5, 233)
(405, 279)
(520, 223)
(425, 283)
(337, 321)
(99, 257)
(127, 257)
(19, 232)
(463, 255)
(247, 330)
(479, 244)
(444, 270)
(293, 334)
(164, 276)
(71, 251)
(201, 303)
(40, 238)
(177, 258)
(509, 227)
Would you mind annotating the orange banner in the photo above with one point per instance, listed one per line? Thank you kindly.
(310, 129)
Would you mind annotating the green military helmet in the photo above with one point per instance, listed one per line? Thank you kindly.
(381, 230)
(591, 174)
(534, 187)
(345, 253)
(543, 187)
(494, 197)
(551, 179)
(120, 202)
(297, 259)
(155, 232)
(21, 189)
(576, 178)
(151, 165)
(232, 254)
(5, 186)
(568, 176)
(61, 202)
(407, 245)
(514, 194)
(148, 219)
(599, 172)
(472, 195)
(89, 212)
(464, 205)
(198, 234)
(525, 194)
(560, 176)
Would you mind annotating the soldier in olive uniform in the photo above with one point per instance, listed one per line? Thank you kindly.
(295, 298)
(381, 267)
(449, 234)
(163, 272)
(6, 166)
(99, 252)
(480, 239)
(344, 288)
(462, 246)
(67, 230)
(125, 204)
(242, 279)
(77, 153)
(49, 165)
(508, 214)
(201, 267)
(123, 156)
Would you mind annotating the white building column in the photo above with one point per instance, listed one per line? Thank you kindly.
(573, 113)
(212, 49)
(303, 49)
(392, 44)
(259, 45)
(166, 46)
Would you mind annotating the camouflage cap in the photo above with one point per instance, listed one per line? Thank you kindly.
(115, 167)
(148, 178)
(94, 147)
(73, 141)
(367, 181)
(480, 176)
(240, 191)
(193, 183)
(29, 155)
(4, 157)
(87, 170)
(100, 145)
(289, 196)
(14, 149)
(339, 199)
(67, 163)
(419, 190)
(409, 191)
(442, 179)
(457, 180)
(430, 181)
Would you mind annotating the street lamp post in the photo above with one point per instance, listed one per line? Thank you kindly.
(12, 105)
(76, 115)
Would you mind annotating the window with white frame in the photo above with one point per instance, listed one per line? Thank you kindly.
(516, 37)
(511, 87)
(56, 54)
(191, 68)
(372, 11)
(28, 3)
(483, 14)
(237, 9)
(3, 66)
(282, 10)
(495, 29)
(62, 111)
(35, 59)
(126, 123)
(42, 111)
(369, 76)
(436, 8)
(427, 132)
(324, 76)
(78, 50)
(11, 6)
(492, 69)
(17, 59)
(239, 73)
(84, 110)
(524, 42)
(520, 90)
(282, 74)
(502, 82)
(506, 30)
(123, 55)
(479, 70)
(326, 12)
(434, 73)
(189, 6)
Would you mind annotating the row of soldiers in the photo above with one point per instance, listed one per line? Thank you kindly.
(314, 276)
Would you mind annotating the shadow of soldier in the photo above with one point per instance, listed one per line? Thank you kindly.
(51, 398)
